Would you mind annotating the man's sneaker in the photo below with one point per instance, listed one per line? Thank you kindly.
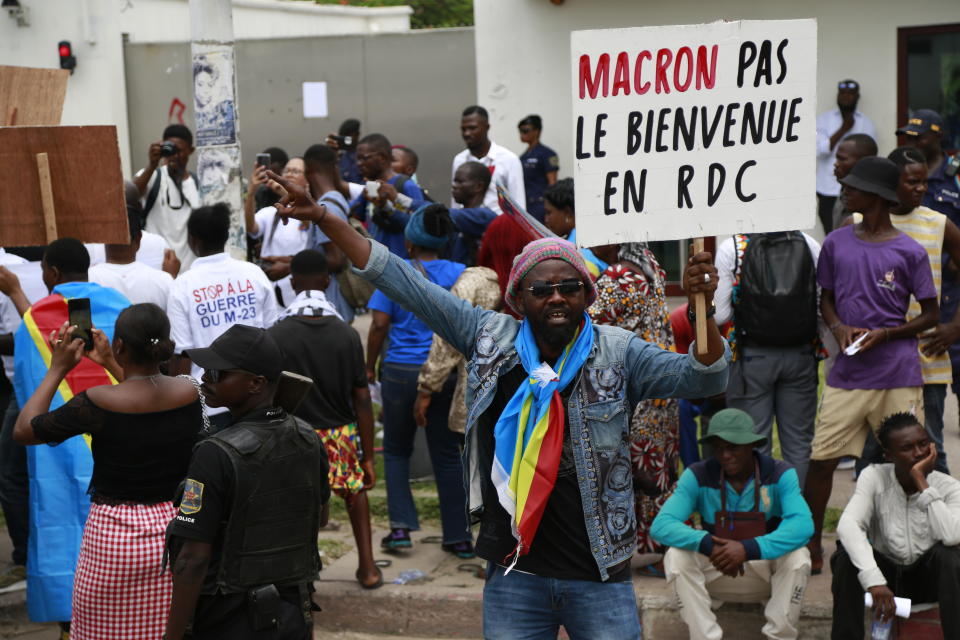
(396, 539)
(461, 549)
(13, 579)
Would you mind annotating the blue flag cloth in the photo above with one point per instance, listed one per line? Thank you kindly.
(60, 475)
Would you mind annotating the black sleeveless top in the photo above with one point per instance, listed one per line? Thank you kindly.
(137, 457)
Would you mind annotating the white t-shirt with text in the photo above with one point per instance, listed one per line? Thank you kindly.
(216, 293)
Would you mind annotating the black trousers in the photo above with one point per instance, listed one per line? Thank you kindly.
(933, 577)
(825, 211)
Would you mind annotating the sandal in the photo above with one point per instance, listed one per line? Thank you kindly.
(375, 585)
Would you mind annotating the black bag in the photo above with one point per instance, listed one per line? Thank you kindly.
(777, 302)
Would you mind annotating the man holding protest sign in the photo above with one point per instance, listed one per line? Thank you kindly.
(552, 393)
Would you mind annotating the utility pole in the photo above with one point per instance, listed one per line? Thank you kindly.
(218, 119)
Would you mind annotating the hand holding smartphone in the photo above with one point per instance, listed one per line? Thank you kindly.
(263, 160)
(78, 310)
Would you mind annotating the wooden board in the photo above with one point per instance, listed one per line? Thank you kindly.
(32, 96)
(86, 179)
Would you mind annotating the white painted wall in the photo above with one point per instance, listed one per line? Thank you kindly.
(523, 52)
(96, 92)
(169, 20)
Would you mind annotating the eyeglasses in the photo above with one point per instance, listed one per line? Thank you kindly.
(848, 85)
(293, 172)
(216, 375)
(542, 288)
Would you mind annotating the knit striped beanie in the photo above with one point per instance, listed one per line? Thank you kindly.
(535, 253)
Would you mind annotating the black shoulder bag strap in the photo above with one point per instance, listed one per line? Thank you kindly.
(153, 193)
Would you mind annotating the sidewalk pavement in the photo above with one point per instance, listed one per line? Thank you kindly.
(446, 603)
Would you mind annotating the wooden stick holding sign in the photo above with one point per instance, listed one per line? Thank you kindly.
(46, 197)
(700, 307)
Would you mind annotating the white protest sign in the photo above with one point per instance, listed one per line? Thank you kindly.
(694, 130)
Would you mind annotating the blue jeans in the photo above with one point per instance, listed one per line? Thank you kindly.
(934, 398)
(399, 389)
(522, 606)
(14, 484)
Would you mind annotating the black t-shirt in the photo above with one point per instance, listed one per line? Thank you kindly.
(137, 457)
(561, 547)
(329, 351)
(204, 512)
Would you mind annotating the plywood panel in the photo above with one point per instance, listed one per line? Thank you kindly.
(32, 96)
(87, 185)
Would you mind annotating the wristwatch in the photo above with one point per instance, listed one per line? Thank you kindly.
(692, 316)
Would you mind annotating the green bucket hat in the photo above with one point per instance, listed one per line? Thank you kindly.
(735, 426)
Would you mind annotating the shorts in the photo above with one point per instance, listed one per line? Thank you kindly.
(343, 453)
(846, 414)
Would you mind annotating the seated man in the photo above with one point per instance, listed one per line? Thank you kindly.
(746, 552)
(899, 534)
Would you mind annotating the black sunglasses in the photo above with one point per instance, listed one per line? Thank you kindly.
(542, 288)
(216, 375)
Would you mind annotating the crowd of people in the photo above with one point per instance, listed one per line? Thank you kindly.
(208, 407)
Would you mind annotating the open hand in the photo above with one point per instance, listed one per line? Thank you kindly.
(922, 469)
(102, 352)
(941, 338)
(66, 349)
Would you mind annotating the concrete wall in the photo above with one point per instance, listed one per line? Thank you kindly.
(169, 20)
(410, 87)
(523, 52)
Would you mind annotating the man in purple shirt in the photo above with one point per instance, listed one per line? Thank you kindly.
(867, 273)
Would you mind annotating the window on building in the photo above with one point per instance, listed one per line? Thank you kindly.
(929, 75)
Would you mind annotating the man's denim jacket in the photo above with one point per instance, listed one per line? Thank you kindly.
(620, 371)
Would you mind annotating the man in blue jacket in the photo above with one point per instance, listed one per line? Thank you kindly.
(752, 544)
(553, 393)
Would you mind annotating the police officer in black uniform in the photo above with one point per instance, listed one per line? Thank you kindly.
(244, 543)
(924, 130)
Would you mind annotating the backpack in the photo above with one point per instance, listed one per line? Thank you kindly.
(777, 300)
(354, 289)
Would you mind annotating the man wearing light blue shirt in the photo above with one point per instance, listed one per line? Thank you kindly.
(832, 127)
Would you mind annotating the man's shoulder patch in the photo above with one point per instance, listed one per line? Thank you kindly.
(192, 497)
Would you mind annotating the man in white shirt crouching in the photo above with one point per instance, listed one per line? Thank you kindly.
(216, 293)
(899, 534)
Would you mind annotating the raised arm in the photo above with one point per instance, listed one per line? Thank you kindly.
(456, 320)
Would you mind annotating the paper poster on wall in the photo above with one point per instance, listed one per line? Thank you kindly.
(315, 100)
(213, 102)
(694, 130)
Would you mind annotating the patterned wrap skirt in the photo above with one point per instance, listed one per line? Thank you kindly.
(120, 591)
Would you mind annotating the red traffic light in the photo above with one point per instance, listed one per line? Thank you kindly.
(67, 60)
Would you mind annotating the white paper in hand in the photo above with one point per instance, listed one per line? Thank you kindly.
(902, 604)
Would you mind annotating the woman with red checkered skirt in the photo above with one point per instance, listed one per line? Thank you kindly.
(143, 430)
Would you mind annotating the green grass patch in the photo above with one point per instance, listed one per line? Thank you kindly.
(333, 549)
(830, 519)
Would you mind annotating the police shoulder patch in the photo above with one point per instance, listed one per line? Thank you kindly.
(192, 497)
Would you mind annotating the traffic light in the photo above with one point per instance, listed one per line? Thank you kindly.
(67, 60)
